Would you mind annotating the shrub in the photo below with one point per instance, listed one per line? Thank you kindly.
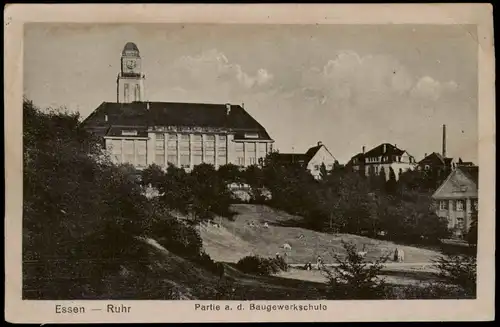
(261, 266)
(458, 270)
(354, 278)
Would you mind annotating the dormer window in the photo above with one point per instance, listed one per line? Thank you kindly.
(251, 135)
(129, 133)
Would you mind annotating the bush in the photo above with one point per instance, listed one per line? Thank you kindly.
(261, 266)
(458, 270)
(353, 278)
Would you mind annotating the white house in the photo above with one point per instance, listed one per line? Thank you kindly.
(311, 160)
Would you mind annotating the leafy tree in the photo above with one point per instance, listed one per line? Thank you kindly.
(230, 173)
(353, 278)
(153, 175)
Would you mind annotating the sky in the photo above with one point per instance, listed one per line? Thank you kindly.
(347, 86)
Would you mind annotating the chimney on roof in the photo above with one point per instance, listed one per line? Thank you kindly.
(105, 117)
(444, 141)
(363, 149)
(228, 108)
(383, 148)
(396, 146)
(320, 143)
(243, 105)
(425, 155)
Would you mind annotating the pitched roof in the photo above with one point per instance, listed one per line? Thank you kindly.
(389, 150)
(174, 114)
(471, 172)
(433, 157)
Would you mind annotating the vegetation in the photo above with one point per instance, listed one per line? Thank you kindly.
(354, 278)
(82, 215)
(261, 266)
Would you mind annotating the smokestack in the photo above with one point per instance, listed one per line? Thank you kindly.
(228, 108)
(444, 141)
(363, 149)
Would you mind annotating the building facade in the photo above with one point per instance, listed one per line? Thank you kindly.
(457, 198)
(311, 160)
(385, 157)
(141, 133)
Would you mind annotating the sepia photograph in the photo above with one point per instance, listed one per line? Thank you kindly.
(249, 162)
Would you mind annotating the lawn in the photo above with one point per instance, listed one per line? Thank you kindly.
(236, 239)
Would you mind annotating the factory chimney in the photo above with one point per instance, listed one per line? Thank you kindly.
(444, 141)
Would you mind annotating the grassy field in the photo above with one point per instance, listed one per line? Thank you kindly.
(234, 240)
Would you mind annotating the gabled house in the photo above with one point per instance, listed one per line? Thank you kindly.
(311, 160)
(457, 198)
(436, 163)
(383, 157)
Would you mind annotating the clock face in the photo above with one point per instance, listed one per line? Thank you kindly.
(131, 64)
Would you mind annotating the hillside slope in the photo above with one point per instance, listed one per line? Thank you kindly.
(236, 239)
(168, 276)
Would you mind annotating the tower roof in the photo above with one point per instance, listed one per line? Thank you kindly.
(130, 49)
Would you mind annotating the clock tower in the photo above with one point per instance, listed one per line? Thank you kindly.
(130, 81)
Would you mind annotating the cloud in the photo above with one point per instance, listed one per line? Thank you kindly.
(429, 88)
(213, 65)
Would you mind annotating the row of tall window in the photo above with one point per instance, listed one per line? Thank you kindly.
(129, 151)
(181, 149)
(456, 205)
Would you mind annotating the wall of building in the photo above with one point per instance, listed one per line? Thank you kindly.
(322, 156)
(457, 211)
(398, 167)
(186, 150)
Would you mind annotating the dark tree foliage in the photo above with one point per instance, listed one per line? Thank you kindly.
(79, 210)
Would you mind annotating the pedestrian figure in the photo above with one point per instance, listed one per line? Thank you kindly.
(319, 262)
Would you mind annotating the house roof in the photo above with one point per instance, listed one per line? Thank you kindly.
(472, 172)
(291, 157)
(301, 157)
(148, 114)
(379, 150)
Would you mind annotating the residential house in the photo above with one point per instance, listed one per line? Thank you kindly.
(457, 198)
(312, 159)
(141, 132)
(383, 157)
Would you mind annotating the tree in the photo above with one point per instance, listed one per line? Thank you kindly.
(323, 172)
(230, 173)
(153, 175)
(391, 183)
(473, 229)
(354, 278)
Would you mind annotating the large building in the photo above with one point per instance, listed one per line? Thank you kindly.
(385, 157)
(457, 198)
(311, 160)
(141, 132)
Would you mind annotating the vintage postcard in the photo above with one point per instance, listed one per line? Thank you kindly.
(249, 163)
